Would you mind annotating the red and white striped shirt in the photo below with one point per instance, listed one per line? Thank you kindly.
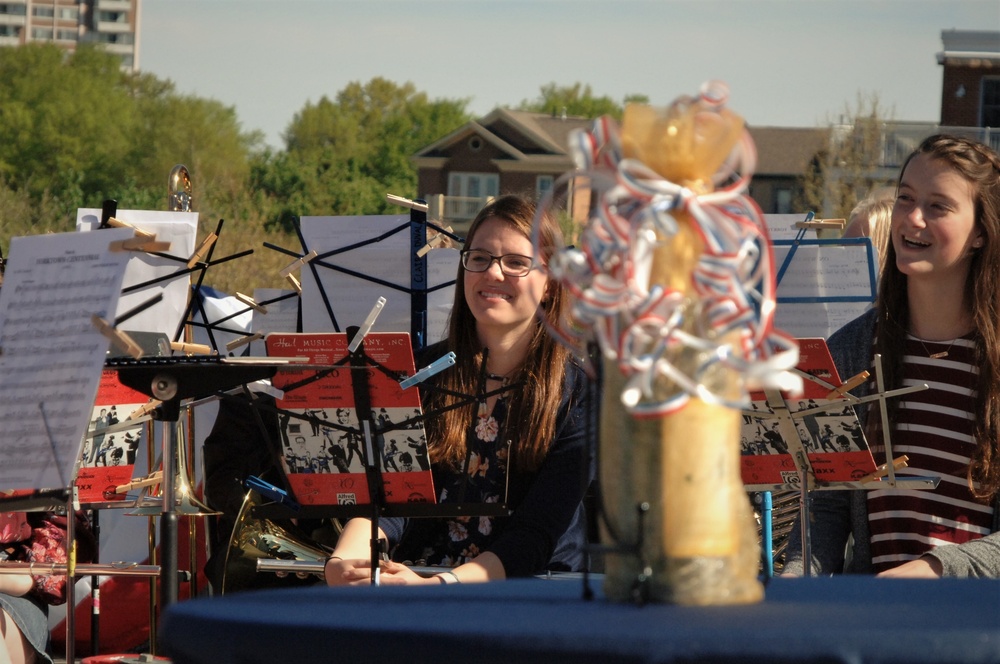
(934, 428)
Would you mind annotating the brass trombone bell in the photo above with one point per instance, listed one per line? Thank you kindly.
(179, 190)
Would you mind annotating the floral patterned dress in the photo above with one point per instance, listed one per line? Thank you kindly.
(454, 541)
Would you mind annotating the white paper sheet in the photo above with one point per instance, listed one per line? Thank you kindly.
(51, 355)
(180, 229)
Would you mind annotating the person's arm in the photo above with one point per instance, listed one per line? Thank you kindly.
(350, 563)
(16, 585)
(979, 558)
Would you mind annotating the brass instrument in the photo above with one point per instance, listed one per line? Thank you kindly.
(259, 545)
(258, 540)
(179, 190)
(186, 502)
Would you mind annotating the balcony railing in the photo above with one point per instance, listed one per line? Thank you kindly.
(900, 139)
(455, 208)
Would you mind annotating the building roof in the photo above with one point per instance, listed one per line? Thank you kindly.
(971, 48)
(522, 136)
(540, 140)
(787, 150)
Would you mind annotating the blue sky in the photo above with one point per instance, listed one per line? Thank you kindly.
(787, 62)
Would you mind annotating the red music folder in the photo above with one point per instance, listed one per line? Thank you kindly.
(111, 445)
(325, 454)
(833, 439)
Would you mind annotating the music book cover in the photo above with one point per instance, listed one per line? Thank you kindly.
(325, 452)
(110, 446)
(833, 439)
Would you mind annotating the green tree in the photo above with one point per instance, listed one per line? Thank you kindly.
(75, 130)
(344, 155)
(577, 100)
(65, 122)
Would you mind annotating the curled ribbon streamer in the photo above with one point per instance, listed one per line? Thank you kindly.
(639, 326)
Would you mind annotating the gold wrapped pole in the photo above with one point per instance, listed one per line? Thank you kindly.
(673, 278)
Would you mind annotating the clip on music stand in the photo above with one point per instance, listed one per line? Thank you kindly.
(806, 480)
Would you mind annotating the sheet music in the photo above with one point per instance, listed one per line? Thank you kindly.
(180, 229)
(51, 355)
(826, 284)
(353, 297)
(442, 267)
(281, 316)
(388, 260)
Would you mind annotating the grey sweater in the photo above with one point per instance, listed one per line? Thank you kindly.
(840, 518)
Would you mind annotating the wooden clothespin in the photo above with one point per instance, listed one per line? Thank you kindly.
(848, 385)
(154, 478)
(243, 341)
(202, 249)
(191, 349)
(883, 470)
(118, 223)
(139, 243)
(117, 337)
(297, 263)
(294, 282)
(435, 241)
(822, 224)
(406, 202)
(250, 302)
(144, 410)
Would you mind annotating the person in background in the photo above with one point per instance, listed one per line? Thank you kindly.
(529, 447)
(34, 537)
(936, 321)
(871, 218)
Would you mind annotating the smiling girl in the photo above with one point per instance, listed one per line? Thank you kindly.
(526, 447)
(936, 322)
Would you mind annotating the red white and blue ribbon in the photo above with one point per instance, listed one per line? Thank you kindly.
(668, 347)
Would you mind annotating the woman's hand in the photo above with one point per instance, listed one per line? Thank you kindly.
(358, 572)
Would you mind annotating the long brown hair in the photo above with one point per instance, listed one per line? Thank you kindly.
(532, 407)
(980, 166)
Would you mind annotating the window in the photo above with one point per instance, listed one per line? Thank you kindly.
(46, 12)
(543, 183)
(473, 185)
(990, 114)
(782, 201)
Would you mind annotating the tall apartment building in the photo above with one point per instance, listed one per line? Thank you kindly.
(113, 23)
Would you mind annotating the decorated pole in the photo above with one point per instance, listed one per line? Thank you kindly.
(673, 278)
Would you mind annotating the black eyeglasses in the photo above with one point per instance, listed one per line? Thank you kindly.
(513, 265)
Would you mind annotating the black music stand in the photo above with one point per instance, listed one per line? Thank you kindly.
(378, 506)
(171, 380)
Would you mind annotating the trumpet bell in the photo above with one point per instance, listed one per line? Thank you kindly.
(254, 539)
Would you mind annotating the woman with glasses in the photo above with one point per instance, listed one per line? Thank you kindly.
(523, 440)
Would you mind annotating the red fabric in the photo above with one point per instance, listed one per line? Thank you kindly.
(14, 527)
(47, 544)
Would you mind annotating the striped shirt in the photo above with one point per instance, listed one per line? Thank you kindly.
(934, 428)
